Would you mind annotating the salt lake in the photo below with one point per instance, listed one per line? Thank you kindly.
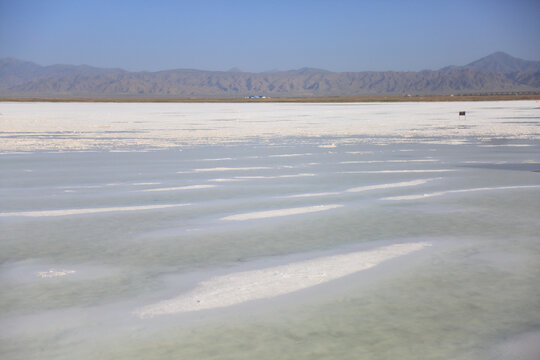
(270, 231)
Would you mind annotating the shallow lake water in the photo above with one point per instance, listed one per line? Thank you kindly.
(115, 215)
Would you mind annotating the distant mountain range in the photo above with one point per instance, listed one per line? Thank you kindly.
(496, 73)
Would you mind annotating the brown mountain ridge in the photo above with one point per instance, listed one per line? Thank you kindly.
(497, 73)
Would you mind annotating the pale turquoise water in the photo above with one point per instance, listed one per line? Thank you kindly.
(474, 289)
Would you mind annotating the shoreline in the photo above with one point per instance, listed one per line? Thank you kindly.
(329, 99)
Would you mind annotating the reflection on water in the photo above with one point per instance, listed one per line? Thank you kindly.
(107, 237)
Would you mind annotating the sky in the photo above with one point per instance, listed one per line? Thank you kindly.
(257, 35)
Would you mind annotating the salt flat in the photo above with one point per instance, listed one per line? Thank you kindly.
(205, 231)
(86, 126)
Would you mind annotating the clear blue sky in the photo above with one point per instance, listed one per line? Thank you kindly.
(262, 35)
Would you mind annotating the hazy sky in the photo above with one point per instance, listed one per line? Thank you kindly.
(262, 35)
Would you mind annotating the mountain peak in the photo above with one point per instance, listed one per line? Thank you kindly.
(501, 54)
(502, 62)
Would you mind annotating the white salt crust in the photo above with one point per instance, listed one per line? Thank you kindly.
(280, 212)
(65, 212)
(240, 287)
(441, 193)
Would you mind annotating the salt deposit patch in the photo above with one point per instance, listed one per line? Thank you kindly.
(240, 287)
(224, 180)
(31, 270)
(312, 195)
(484, 162)
(289, 155)
(367, 188)
(54, 273)
(189, 187)
(275, 176)
(84, 187)
(440, 193)
(87, 211)
(217, 159)
(260, 177)
(217, 169)
(280, 212)
(386, 161)
(295, 175)
(506, 145)
(397, 171)
(391, 185)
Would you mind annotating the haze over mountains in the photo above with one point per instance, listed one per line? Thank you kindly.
(496, 73)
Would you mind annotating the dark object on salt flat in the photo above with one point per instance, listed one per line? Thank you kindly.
(462, 113)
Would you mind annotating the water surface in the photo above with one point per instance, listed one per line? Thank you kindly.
(97, 226)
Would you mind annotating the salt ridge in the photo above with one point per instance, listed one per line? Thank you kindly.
(396, 171)
(65, 212)
(440, 193)
(189, 187)
(280, 212)
(391, 185)
(240, 287)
